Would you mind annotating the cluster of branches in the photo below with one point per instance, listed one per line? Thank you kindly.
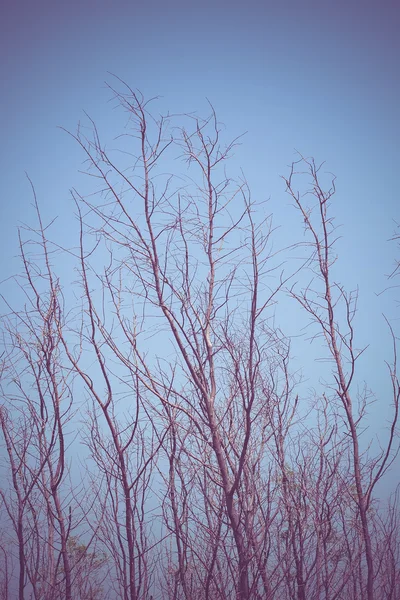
(203, 471)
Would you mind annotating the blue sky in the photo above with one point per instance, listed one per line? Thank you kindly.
(319, 77)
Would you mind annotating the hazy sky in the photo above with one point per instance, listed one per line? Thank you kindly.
(320, 77)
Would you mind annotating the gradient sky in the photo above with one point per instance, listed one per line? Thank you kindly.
(320, 77)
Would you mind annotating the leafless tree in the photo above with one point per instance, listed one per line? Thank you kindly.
(193, 258)
(326, 301)
(41, 503)
(208, 471)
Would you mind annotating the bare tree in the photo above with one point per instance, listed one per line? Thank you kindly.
(325, 301)
(208, 473)
(42, 505)
(193, 259)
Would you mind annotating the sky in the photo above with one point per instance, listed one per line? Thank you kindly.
(320, 78)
